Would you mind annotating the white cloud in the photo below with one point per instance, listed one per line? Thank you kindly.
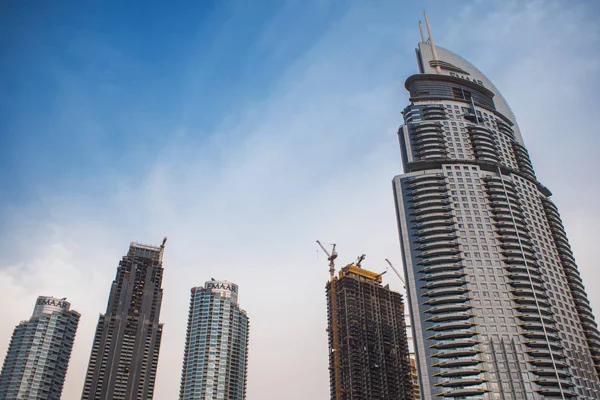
(313, 161)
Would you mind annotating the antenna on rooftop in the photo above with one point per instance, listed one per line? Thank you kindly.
(432, 43)
(421, 32)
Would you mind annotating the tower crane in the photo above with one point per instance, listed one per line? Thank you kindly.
(331, 257)
(397, 273)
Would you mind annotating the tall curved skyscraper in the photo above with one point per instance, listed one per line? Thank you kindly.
(498, 306)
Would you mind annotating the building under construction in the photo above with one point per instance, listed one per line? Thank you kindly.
(368, 349)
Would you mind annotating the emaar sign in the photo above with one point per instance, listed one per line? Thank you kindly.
(216, 285)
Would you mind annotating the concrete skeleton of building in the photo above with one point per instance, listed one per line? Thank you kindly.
(215, 360)
(39, 351)
(368, 347)
(498, 306)
(124, 355)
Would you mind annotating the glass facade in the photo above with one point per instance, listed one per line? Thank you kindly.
(499, 309)
(216, 349)
(38, 355)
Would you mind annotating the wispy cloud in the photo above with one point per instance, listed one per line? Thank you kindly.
(312, 158)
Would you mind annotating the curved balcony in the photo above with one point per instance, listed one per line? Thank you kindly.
(523, 160)
(503, 204)
(439, 252)
(545, 353)
(515, 239)
(450, 317)
(547, 362)
(526, 293)
(557, 393)
(441, 268)
(430, 145)
(432, 153)
(529, 300)
(535, 277)
(423, 137)
(537, 326)
(519, 284)
(536, 335)
(458, 362)
(505, 128)
(432, 215)
(436, 187)
(542, 344)
(453, 335)
(442, 276)
(452, 308)
(437, 244)
(435, 230)
(526, 309)
(440, 221)
(452, 373)
(443, 283)
(455, 343)
(445, 291)
(430, 209)
(447, 300)
(425, 126)
(429, 196)
(456, 353)
(433, 112)
(429, 203)
(452, 326)
(551, 372)
(462, 382)
(464, 392)
(535, 318)
(532, 268)
(425, 180)
(553, 382)
(444, 238)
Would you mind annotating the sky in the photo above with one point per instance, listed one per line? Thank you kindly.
(244, 131)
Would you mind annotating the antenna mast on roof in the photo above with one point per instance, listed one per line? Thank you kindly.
(432, 43)
(421, 32)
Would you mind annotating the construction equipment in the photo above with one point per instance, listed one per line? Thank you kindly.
(331, 257)
(359, 260)
(397, 273)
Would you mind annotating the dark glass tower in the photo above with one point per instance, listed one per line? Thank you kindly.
(215, 362)
(125, 352)
(38, 355)
(368, 347)
(498, 306)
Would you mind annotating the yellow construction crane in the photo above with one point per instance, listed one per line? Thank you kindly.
(331, 257)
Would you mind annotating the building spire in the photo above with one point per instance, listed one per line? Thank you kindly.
(432, 43)
(421, 32)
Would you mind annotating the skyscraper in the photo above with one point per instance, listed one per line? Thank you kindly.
(368, 348)
(38, 355)
(498, 306)
(215, 361)
(125, 351)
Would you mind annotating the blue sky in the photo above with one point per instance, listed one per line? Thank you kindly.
(244, 131)
(105, 81)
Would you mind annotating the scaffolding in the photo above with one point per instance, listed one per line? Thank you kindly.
(369, 355)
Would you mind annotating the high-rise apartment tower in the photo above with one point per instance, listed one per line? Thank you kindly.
(125, 351)
(38, 355)
(215, 361)
(498, 306)
(368, 348)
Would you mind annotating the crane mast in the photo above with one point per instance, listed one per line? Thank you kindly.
(331, 257)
